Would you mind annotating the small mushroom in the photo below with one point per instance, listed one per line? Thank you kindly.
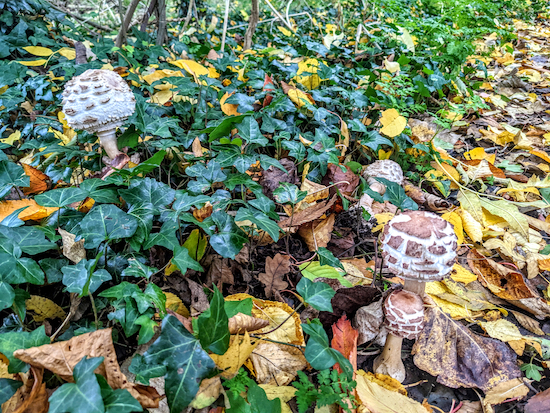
(99, 101)
(419, 246)
(404, 312)
(385, 168)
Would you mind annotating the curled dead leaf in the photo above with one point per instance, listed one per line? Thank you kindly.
(240, 323)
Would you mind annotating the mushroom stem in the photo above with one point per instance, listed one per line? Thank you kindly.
(417, 287)
(389, 361)
(108, 141)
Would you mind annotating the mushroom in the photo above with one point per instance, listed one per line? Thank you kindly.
(419, 246)
(404, 312)
(99, 101)
(385, 168)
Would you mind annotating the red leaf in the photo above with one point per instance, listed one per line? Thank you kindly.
(345, 341)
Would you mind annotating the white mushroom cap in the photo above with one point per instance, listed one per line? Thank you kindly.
(384, 168)
(420, 246)
(97, 101)
(404, 313)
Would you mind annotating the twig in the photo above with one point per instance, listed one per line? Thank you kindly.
(287, 24)
(81, 19)
(225, 21)
(126, 23)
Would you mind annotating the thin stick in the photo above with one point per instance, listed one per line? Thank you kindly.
(126, 23)
(279, 15)
(225, 21)
(81, 19)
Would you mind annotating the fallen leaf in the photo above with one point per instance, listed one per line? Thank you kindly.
(393, 123)
(33, 211)
(344, 178)
(174, 303)
(208, 393)
(539, 402)
(44, 308)
(61, 357)
(460, 358)
(284, 393)
(297, 97)
(309, 214)
(39, 181)
(507, 390)
(528, 323)
(38, 51)
(344, 339)
(317, 234)
(72, 250)
(275, 269)
(240, 323)
(368, 321)
(230, 109)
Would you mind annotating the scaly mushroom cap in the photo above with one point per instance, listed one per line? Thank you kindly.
(419, 245)
(97, 100)
(384, 168)
(404, 312)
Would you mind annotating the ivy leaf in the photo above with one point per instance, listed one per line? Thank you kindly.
(373, 140)
(148, 190)
(316, 294)
(12, 175)
(260, 403)
(92, 188)
(82, 396)
(11, 341)
(7, 295)
(106, 223)
(288, 193)
(213, 325)
(137, 269)
(31, 240)
(61, 197)
(397, 196)
(229, 238)
(249, 130)
(8, 387)
(77, 279)
(185, 360)
(319, 353)
(166, 237)
(144, 371)
(234, 307)
(117, 401)
(183, 260)
(327, 258)
(261, 220)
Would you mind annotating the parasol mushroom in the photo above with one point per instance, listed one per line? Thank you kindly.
(99, 101)
(419, 246)
(404, 312)
(384, 168)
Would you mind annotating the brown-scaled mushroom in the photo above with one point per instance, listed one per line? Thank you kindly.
(404, 312)
(419, 246)
(99, 101)
(383, 168)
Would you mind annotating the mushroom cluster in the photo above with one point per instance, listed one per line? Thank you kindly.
(419, 246)
(99, 101)
(404, 318)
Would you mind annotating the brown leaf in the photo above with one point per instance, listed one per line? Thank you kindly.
(348, 301)
(199, 300)
(539, 402)
(276, 364)
(432, 202)
(344, 339)
(307, 215)
(72, 250)
(317, 234)
(39, 181)
(61, 358)
(272, 176)
(348, 181)
(240, 323)
(510, 389)
(460, 358)
(204, 212)
(528, 323)
(275, 269)
(32, 397)
(220, 272)
(368, 321)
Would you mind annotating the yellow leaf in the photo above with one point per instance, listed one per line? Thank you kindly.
(239, 350)
(393, 123)
(381, 220)
(12, 138)
(39, 62)
(479, 153)
(461, 274)
(174, 303)
(67, 52)
(391, 67)
(456, 220)
(541, 154)
(160, 74)
(38, 51)
(284, 31)
(195, 69)
(230, 109)
(472, 227)
(33, 212)
(382, 154)
(344, 143)
(300, 98)
(284, 393)
(44, 308)
(310, 79)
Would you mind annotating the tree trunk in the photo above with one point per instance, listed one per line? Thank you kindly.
(161, 32)
(126, 23)
(147, 15)
(189, 14)
(254, 17)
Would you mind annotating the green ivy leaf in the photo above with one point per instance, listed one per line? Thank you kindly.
(12, 175)
(314, 270)
(148, 190)
(137, 269)
(229, 239)
(143, 371)
(397, 196)
(259, 402)
(31, 240)
(77, 278)
(82, 396)
(7, 295)
(249, 130)
(316, 294)
(234, 307)
(261, 220)
(213, 329)
(183, 260)
(327, 258)
(106, 223)
(186, 362)
(57, 198)
(117, 401)
(288, 194)
(12, 341)
(8, 387)
(166, 237)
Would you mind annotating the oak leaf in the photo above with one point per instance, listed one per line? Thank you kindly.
(275, 269)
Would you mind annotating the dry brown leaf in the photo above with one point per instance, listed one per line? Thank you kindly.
(317, 234)
(32, 397)
(39, 181)
(204, 212)
(379, 399)
(460, 358)
(276, 364)
(240, 323)
(197, 148)
(368, 321)
(61, 358)
(315, 191)
(272, 176)
(275, 269)
(528, 323)
(346, 179)
(72, 250)
(44, 308)
(539, 402)
(220, 272)
(511, 389)
(208, 393)
(239, 350)
(307, 215)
